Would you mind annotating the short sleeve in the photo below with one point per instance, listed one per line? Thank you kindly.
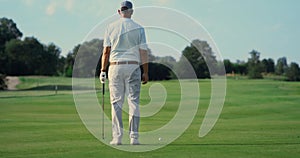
(143, 44)
(106, 41)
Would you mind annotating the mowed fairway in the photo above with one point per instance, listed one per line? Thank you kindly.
(260, 118)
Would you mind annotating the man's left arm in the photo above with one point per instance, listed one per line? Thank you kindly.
(105, 57)
(104, 63)
(144, 62)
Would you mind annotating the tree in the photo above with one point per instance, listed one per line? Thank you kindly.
(268, 65)
(271, 66)
(13, 63)
(30, 57)
(3, 85)
(159, 72)
(52, 56)
(69, 61)
(25, 57)
(240, 67)
(168, 61)
(293, 72)
(61, 66)
(228, 66)
(160, 67)
(254, 65)
(87, 63)
(281, 66)
(199, 55)
(8, 31)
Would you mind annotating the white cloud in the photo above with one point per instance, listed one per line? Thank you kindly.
(28, 2)
(51, 8)
(54, 5)
(69, 5)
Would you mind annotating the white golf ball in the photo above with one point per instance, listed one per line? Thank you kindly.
(160, 139)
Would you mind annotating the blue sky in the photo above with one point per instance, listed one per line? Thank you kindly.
(237, 26)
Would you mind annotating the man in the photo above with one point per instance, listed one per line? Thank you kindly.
(125, 49)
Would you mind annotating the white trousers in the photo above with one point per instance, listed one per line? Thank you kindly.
(124, 80)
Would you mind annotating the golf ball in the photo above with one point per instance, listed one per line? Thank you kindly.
(160, 139)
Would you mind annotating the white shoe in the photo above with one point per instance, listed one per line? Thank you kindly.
(115, 142)
(134, 141)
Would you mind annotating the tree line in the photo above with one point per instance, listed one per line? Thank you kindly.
(255, 68)
(28, 56)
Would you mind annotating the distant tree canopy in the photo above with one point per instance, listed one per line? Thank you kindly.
(25, 57)
(254, 65)
(228, 66)
(28, 56)
(161, 68)
(268, 65)
(159, 72)
(8, 31)
(293, 72)
(235, 68)
(69, 61)
(281, 66)
(87, 58)
(3, 85)
(199, 55)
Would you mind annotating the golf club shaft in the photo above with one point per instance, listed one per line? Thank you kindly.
(103, 92)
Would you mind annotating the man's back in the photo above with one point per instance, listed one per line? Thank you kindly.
(125, 37)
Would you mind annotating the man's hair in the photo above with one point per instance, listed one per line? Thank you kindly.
(124, 8)
(126, 11)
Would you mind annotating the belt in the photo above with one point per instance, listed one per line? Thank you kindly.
(124, 62)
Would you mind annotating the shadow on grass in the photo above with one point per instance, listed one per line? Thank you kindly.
(58, 87)
(43, 91)
(26, 96)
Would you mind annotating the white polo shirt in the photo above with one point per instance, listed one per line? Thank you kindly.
(125, 37)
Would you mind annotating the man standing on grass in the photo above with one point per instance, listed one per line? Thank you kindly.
(125, 49)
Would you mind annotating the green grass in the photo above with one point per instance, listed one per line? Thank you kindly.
(260, 118)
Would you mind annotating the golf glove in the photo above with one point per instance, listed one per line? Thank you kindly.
(102, 77)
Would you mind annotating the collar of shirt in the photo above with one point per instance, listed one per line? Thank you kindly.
(126, 19)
